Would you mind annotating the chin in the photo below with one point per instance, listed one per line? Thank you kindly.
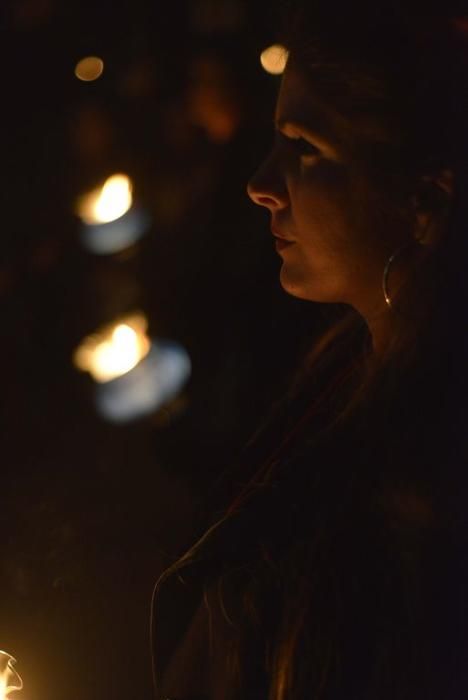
(303, 289)
(297, 288)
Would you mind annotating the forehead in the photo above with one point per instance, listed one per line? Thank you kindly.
(300, 102)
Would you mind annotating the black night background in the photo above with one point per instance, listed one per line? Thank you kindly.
(93, 510)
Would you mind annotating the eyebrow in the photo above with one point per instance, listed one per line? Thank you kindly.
(315, 133)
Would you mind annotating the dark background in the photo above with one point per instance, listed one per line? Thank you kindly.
(91, 512)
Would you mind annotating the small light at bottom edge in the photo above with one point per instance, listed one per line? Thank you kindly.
(10, 681)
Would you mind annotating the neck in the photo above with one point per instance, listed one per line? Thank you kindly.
(382, 331)
(383, 322)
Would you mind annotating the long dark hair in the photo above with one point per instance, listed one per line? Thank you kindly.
(364, 511)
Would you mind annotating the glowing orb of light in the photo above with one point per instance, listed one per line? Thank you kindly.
(274, 59)
(110, 222)
(89, 68)
(106, 203)
(115, 350)
(154, 382)
(9, 678)
(106, 239)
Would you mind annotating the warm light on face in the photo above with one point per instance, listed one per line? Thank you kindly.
(89, 68)
(106, 203)
(274, 59)
(9, 679)
(115, 350)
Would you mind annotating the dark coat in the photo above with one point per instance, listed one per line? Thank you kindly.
(392, 572)
(191, 636)
(398, 572)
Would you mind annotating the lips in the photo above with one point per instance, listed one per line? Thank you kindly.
(278, 234)
(281, 241)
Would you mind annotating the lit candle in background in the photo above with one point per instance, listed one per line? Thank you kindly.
(9, 678)
(153, 384)
(115, 349)
(135, 375)
(110, 221)
(108, 202)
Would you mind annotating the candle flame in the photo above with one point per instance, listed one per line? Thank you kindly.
(9, 678)
(115, 350)
(108, 202)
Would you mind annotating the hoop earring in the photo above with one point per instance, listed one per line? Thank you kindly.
(386, 272)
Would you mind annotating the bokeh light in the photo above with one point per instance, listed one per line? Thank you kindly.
(274, 59)
(154, 383)
(9, 679)
(89, 68)
(114, 350)
(108, 202)
(107, 239)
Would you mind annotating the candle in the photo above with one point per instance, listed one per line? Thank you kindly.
(9, 678)
(114, 350)
(135, 375)
(108, 202)
(110, 221)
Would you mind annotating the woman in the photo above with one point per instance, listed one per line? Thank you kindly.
(340, 569)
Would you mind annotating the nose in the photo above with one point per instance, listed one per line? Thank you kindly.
(267, 188)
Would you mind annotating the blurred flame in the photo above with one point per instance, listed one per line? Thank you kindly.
(9, 679)
(274, 59)
(155, 383)
(89, 68)
(115, 350)
(106, 203)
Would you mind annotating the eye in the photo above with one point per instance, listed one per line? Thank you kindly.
(300, 145)
(304, 147)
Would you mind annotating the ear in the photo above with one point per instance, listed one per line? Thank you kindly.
(432, 205)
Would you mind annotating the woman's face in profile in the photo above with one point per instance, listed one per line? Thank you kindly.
(333, 228)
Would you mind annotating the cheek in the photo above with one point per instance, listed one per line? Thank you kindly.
(339, 210)
(323, 209)
(317, 267)
(344, 234)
